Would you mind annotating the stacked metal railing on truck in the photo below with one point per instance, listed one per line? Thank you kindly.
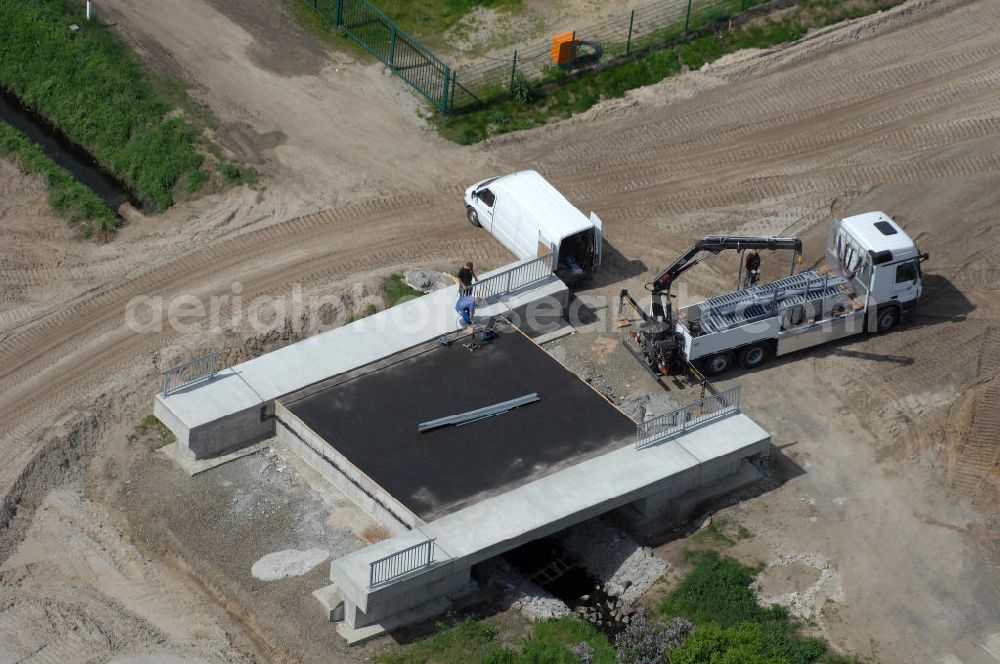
(731, 310)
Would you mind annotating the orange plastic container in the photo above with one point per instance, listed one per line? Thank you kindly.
(563, 48)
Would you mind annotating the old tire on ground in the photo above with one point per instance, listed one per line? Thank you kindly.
(753, 356)
(888, 318)
(718, 363)
(473, 216)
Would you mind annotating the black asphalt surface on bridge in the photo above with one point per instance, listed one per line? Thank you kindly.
(372, 420)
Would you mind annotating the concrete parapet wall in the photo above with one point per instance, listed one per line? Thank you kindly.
(230, 433)
(348, 478)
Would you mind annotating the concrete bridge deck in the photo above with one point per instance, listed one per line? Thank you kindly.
(234, 409)
(650, 479)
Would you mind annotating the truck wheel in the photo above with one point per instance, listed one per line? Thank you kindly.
(718, 363)
(888, 318)
(473, 216)
(752, 357)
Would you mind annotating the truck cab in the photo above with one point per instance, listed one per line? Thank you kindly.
(883, 264)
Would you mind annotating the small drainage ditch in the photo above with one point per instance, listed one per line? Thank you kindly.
(65, 152)
(547, 564)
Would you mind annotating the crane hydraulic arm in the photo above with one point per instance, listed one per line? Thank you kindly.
(713, 244)
(656, 339)
(709, 246)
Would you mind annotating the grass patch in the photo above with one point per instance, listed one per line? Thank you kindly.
(368, 311)
(468, 641)
(721, 532)
(397, 290)
(236, 174)
(564, 94)
(90, 86)
(729, 624)
(65, 194)
(472, 642)
(429, 19)
(151, 432)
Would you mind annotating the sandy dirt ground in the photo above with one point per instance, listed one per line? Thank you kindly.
(890, 443)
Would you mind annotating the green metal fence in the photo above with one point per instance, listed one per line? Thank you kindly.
(494, 75)
(646, 26)
(402, 53)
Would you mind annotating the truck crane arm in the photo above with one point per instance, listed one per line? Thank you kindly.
(713, 244)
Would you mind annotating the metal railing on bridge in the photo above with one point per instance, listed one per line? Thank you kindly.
(515, 278)
(672, 424)
(195, 371)
(399, 564)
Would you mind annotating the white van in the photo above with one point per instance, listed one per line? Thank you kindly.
(531, 218)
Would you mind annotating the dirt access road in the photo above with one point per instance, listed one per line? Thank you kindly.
(895, 435)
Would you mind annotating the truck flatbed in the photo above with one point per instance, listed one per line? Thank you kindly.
(731, 310)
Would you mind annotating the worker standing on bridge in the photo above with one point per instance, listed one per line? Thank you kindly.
(466, 308)
(753, 268)
(466, 275)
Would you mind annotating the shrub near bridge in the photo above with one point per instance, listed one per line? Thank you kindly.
(89, 85)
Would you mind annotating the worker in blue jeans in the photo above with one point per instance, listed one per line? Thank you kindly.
(466, 308)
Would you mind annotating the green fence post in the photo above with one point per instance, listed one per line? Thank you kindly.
(451, 99)
(513, 71)
(443, 107)
(572, 45)
(628, 43)
(315, 8)
(687, 19)
(392, 46)
(340, 13)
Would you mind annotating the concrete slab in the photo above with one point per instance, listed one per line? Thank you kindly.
(230, 411)
(372, 421)
(555, 502)
(563, 330)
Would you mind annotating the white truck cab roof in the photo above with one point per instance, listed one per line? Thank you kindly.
(556, 216)
(876, 232)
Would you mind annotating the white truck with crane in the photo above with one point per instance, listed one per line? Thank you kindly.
(871, 282)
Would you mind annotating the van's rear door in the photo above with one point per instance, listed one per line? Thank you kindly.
(598, 239)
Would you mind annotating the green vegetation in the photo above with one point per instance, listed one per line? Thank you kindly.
(565, 94)
(89, 85)
(235, 174)
(729, 624)
(729, 627)
(151, 432)
(469, 641)
(721, 532)
(549, 642)
(397, 290)
(394, 291)
(429, 19)
(369, 310)
(67, 196)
